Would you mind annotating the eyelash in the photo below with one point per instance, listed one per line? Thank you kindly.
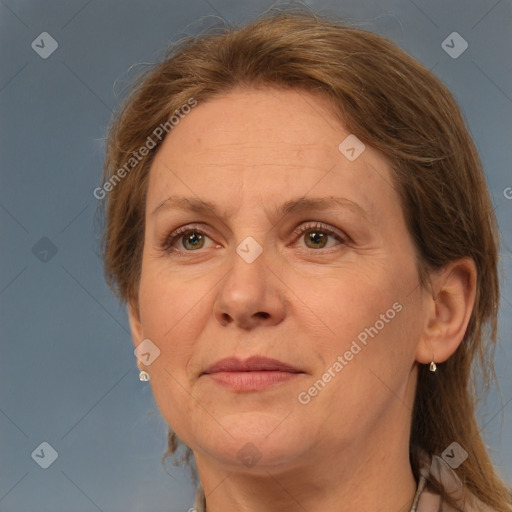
(168, 241)
(323, 228)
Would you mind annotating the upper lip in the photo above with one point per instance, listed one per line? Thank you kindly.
(252, 364)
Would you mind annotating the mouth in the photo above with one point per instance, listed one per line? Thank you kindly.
(253, 374)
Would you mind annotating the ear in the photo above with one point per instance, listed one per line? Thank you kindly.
(453, 291)
(135, 324)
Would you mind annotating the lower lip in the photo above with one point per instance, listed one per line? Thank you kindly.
(252, 381)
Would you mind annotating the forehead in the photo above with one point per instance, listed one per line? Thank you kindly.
(244, 120)
(266, 142)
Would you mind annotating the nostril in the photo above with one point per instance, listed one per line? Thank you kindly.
(226, 318)
(262, 314)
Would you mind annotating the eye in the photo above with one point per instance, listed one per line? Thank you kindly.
(191, 238)
(186, 238)
(316, 235)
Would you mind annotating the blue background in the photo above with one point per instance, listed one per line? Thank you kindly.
(67, 371)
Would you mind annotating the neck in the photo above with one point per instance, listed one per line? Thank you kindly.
(359, 477)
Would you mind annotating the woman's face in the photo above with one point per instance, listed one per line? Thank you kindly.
(291, 246)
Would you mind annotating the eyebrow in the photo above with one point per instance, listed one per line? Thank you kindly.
(299, 205)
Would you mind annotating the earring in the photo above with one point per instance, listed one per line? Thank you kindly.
(143, 376)
(433, 367)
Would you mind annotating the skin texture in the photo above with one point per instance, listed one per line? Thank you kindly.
(301, 301)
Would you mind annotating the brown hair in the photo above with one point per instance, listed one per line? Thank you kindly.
(389, 101)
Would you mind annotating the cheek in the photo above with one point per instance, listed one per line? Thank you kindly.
(366, 364)
(373, 322)
(171, 320)
(172, 315)
(351, 302)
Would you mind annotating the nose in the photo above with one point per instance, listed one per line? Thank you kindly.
(250, 295)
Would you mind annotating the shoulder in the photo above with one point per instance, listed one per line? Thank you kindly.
(431, 501)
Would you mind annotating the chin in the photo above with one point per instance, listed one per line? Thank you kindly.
(269, 437)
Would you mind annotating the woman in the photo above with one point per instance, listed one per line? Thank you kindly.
(299, 224)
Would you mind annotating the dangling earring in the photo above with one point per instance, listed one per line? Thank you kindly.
(433, 367)
(143, 376)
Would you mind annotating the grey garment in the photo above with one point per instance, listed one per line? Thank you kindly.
(425, 500)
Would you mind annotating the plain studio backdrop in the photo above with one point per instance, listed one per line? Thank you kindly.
(67, 370)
